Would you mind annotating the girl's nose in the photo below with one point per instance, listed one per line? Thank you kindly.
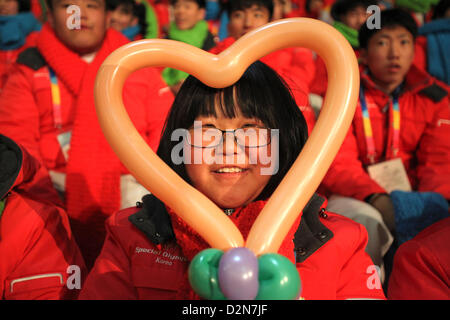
(229, 144)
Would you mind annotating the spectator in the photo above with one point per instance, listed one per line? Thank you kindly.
(18, 28)
(38, 252)
(295, 65)
(135, 19)
(189, 26)
(402, 115)
(48, 106)
(128, 17)
(435, 41)
(348, 16)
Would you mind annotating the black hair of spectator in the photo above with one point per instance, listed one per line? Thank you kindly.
(49, 4)
(24, 5)
(235, 5)
(201, 3)
(342, 7)
(308, 5)
(389, 18)
(137, 9)
(440, 9)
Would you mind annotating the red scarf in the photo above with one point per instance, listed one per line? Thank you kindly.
(192, 243)
(93, 170)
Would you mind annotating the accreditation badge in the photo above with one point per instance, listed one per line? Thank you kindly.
(64, 143)
(390, 175)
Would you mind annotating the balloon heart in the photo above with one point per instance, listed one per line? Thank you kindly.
(238, 275)
(297, 187)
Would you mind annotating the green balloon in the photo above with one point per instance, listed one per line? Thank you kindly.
(203, 274)
(278, 278)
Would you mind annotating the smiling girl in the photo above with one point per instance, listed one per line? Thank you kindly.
(327, 249)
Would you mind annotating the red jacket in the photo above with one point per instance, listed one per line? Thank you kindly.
(8, 57)
(330, 255)
(28, 98)
(27, 114)
(296, 66)
(424, 140)
(422, 266)
(36, 244)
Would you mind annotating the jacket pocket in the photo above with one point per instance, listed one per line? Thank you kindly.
(40, 286)
(157, 282)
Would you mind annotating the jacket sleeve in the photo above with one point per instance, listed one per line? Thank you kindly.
(50, 264)
(161, 101)
(18, 111)
(358, 278)
(418, 274)
(19, 120)
(110, 278)
(156, 99)
(347, 175)
(433, 154)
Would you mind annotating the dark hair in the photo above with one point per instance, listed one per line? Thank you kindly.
(440, 9)
(308, 5)
(260, 93)
(388, 19)
(342, 7)
(201, 3)
(24, 5)
(137, 10)
(49, 4)
(235, 5)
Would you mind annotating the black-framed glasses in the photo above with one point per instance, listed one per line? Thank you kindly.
(248, 137)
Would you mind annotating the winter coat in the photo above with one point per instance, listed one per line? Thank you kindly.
(424, 146)
(422, 266)
(92, 172)
(39, 256)
(140, 259)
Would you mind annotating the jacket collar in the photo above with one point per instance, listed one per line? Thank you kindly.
(153, 220)
(415, 80)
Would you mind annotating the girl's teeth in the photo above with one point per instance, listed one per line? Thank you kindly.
(229, 170)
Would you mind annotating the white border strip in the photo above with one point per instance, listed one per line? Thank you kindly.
(39, 276)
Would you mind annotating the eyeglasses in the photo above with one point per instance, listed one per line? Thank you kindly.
(248, 137)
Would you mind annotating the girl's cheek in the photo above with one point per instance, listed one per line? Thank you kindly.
(268, 159)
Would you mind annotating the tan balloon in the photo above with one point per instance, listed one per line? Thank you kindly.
(222, 70)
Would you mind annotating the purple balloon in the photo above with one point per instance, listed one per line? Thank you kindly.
(238, 274)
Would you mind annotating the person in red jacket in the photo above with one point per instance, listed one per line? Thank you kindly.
(402, 123)
(295, 65)
(422, 266)
(148, 248)
(18, 31)
(348, 16)
(39, 257)
(48, 106)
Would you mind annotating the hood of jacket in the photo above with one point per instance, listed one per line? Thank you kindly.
(16, 165)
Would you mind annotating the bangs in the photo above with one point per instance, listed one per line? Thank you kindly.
(245, 98)
(259, 94)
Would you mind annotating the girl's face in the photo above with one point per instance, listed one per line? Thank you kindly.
(233, 179)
